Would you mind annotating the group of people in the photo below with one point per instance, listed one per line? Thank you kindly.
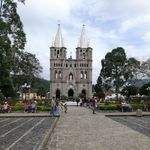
(5, 108)
(58, 106)
(30, 107)
(125, 106)
(91, 103)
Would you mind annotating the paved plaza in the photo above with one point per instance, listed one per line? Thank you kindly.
(24, 133)
(140, 124)
(79, 129)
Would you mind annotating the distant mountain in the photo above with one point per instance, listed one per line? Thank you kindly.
(40, 82)
(139, 82)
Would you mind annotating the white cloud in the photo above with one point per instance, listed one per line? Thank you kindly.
(109, 24)
(142, 22)
(146, 37)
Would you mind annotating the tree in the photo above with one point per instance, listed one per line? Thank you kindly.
(8, 89)
(42, 91)
(12, 40)
(27, 65)
(145, 89)
(129, 90)
(13, 59)
(145, 68)
(118, 71)
(131, 70)
(112, 71)
(99, 91)
(81, 95)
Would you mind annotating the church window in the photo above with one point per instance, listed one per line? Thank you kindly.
(83, 55)
(85, 75)
(54, 64)
(60, 74)
(87, 65)
(60, 52)
(70, 76)
(56, 75)
(66, 65)
(70, 65)
(81, 75)
(57, 53)
(74, 65)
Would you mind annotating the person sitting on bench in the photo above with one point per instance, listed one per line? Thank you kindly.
(125, 107)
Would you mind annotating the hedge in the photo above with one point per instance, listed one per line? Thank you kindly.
(109, 107)
(135, 106)
(43, 108)
(19, 107)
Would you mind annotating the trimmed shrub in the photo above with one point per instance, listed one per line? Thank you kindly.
(102, 106)
(17, 107)
(137, 106)
(43, 108)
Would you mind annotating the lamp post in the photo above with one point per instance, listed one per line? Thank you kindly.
(25, 89)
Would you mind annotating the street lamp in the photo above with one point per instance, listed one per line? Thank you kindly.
(25, 89)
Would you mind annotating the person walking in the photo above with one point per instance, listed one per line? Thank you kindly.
(53, 106)
(77, 101)
(65, 107)
(94, 103)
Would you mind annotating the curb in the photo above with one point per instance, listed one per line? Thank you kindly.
(120, 115)
(26, 115)
(47, 136)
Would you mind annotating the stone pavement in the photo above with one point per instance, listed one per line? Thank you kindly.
(79, 129)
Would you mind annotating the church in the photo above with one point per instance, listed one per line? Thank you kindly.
(70, 77)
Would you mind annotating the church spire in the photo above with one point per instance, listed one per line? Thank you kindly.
(58, 42)
(83, 42)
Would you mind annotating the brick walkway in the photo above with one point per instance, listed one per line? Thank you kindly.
(79, 129)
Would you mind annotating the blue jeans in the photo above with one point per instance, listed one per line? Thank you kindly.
(53, 110)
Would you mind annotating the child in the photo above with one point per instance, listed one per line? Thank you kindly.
(65, 107)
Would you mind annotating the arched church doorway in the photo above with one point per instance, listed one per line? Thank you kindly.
(57, 93)
(84, 93)
(70, 93)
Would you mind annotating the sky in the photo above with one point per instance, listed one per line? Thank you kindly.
(109, 24)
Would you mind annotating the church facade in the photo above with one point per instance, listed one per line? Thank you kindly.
(70, 77)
